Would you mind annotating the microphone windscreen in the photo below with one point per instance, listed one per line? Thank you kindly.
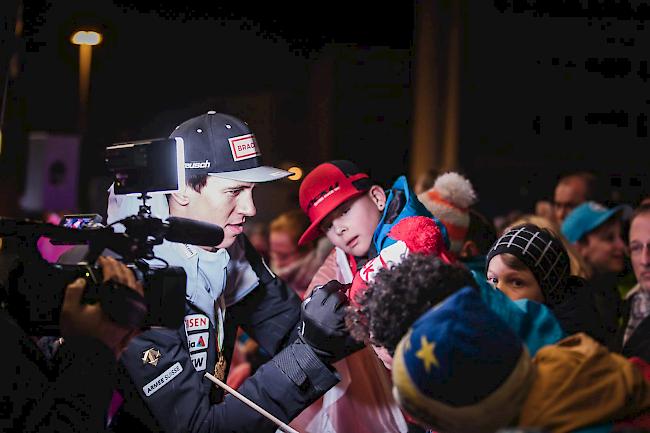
(189, 231)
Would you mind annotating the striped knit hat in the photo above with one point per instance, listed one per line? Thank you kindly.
(449, 200)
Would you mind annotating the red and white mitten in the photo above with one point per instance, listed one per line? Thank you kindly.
(416, 234)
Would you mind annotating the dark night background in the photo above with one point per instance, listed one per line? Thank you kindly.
(543, 90)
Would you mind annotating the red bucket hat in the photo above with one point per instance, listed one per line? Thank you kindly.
(325, 188)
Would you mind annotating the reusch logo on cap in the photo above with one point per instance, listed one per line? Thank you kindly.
(205, 164)
(243, 147)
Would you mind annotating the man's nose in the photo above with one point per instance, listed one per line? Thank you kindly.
(645, 255)
(245, 205)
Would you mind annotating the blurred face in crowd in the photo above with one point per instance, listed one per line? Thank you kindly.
(569, 194)
(603, 248)
(352, 224)
(224, 202)
(260, 242)
(512, 277)
(283, 249)
(640, 249)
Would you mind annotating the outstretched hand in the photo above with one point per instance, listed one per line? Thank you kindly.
(323, 323)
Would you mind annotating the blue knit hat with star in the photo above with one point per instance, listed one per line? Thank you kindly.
(461, 368)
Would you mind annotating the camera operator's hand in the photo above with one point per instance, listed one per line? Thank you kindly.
(323, 323)
(78, 318)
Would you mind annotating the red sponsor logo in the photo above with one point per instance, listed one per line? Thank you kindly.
(243, 147)
(194, 322)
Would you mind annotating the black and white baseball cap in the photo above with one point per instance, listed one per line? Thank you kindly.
(221, 145)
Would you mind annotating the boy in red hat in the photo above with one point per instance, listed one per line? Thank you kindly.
(343, 204)
(355, 214)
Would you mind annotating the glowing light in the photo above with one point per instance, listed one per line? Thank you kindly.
(84, 37)
(297, 173)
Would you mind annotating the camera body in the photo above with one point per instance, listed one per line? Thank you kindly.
(78, 221)
(35, 288)
(35, 291)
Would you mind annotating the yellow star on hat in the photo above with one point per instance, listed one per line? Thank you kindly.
(426, 353)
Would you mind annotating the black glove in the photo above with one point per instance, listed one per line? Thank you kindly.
(323, 323)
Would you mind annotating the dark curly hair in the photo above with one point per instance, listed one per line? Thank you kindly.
(401, 294)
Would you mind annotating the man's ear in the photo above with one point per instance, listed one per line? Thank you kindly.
(378, 196)
(182, 197)
(468, 250)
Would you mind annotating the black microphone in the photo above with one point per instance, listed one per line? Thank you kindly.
(189, 231)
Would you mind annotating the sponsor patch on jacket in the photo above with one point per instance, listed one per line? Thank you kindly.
(199, 360)
(196, 342)
(196, 322)
(151, 356)
(163, 379)
(243, 147)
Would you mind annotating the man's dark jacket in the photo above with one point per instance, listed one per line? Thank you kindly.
(174, 395)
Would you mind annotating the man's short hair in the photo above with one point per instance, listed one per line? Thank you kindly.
(197, 181)
(641, 210)
(590, 180)
(401, 294)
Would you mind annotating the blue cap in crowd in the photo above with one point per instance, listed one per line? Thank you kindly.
(588, 217)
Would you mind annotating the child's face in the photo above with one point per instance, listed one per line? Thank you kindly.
(516, 284)
(351, 225)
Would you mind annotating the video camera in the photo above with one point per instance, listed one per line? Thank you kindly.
(35, 288)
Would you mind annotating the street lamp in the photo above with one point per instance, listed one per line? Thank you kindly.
(296, 173)
(85, 39)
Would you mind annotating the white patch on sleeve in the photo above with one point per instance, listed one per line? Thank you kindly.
(196, 322)
(196, 342)
(199, 360)
(163, 379)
